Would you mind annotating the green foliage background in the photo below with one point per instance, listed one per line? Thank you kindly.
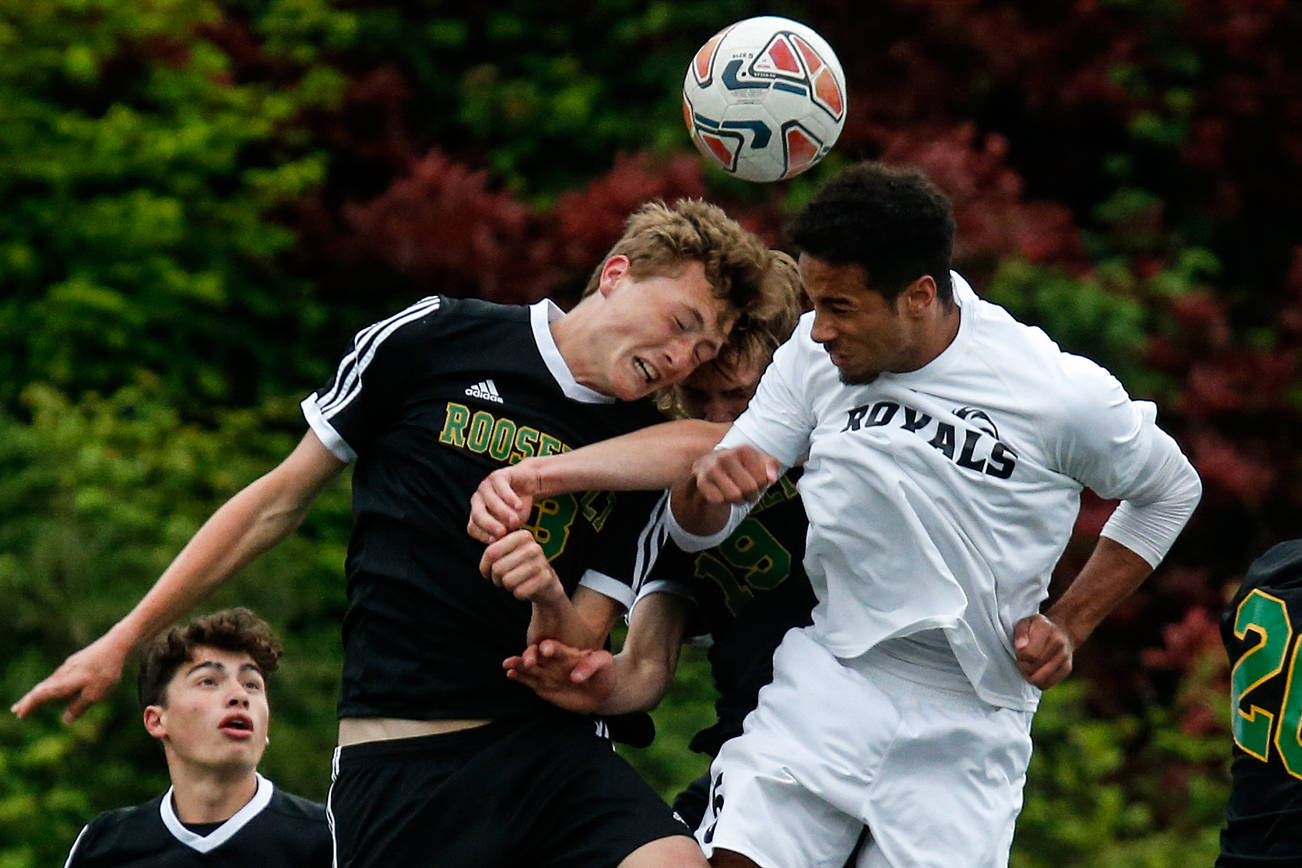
(203, 200)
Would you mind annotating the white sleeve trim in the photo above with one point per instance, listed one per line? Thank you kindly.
(1155, 511)
(608, 587)
(326, 432)
(665, 586)
(73, 852)
(690, 542)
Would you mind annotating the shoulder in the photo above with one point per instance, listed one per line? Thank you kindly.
(132, 827)
(1037, 369)
(1279, 569)
(288, 806)
(441, 316)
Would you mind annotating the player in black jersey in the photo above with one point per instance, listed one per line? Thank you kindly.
(743, 595)
(1261, 629)
(442, 760)
(203, 690)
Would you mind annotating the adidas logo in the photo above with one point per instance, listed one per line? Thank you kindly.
(485, 390)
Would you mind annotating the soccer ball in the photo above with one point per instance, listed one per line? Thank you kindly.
(764, 98)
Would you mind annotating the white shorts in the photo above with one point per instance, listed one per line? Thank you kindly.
(936, 775)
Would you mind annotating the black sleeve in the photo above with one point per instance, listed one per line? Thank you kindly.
(365, 393)
(627, 545)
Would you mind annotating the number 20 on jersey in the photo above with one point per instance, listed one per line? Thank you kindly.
(1268, 617)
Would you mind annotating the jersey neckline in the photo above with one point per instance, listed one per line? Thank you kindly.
(541, 315)
(224, 832)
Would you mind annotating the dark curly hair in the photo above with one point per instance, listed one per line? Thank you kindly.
(232, 630)
(890, 220)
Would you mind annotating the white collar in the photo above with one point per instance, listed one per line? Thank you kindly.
(224, 832)
(541, 315)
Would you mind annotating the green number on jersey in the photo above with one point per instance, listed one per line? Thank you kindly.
(1267, 616)
(552, 527)
(755, 561)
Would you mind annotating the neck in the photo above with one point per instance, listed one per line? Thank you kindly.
(210, 795)
(573, 335)
(939, 336)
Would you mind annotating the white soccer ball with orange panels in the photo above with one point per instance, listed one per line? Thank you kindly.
(765, 98)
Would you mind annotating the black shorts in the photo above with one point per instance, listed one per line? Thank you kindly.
(542, 792)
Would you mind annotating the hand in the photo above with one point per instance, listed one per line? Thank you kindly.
(735, 475)
(84, 679)
(502, 502)
(573, 679)
(1044, 650)
(516, 562)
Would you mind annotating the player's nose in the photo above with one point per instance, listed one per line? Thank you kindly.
(680, 358)
(822, 330)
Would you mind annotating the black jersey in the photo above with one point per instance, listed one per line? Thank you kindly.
(429, 402)
(748, 591)
(1262, 629)
(274, 830)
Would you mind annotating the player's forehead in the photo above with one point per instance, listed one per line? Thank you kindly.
(684, 289)
(217, 661)
(826, 281)
(717, 378)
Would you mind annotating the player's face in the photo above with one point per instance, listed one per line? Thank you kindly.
(216, 714)
(658, 329)
(862, 332)
(718, 394)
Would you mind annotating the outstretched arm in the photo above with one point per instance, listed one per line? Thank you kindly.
(649, 459)
(254, 520)
(594, 682)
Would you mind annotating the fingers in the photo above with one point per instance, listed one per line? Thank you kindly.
(79, 706)
(497, 507)
(1044, 652)
(517, 563)
(42, 693)
(589, 665)
(84, 690)
(735, 475)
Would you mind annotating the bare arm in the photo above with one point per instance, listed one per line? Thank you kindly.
(254, 520)
(594, 682)
(1045, 643)
(517, 563)
(649, 459)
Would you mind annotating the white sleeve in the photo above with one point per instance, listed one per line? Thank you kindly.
(1156, 510)
(1112, 444)
(779, 419)
(690, 542)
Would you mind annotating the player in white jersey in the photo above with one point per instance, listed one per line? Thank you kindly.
(945, 447)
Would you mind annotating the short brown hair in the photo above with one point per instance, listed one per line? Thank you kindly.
(232, 630)
(662, 240)
(753, 339)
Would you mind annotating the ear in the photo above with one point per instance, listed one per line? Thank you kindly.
(612, 272)
(154, 724)
(919, 295)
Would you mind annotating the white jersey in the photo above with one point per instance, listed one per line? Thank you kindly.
(943, 497)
